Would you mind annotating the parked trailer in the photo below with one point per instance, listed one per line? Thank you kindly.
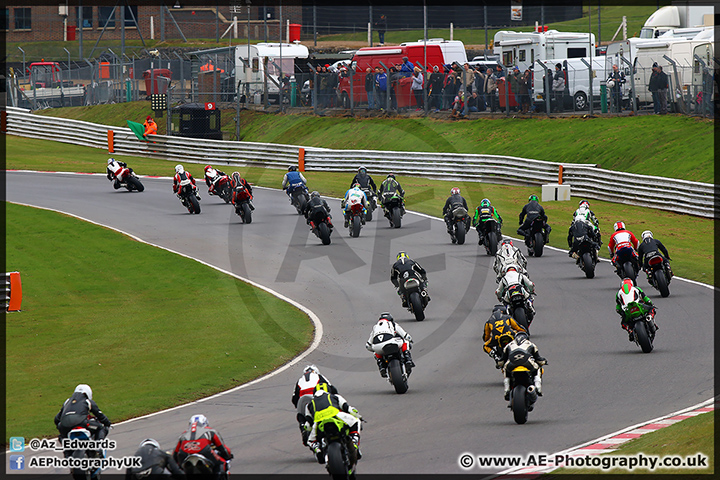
(522, 49)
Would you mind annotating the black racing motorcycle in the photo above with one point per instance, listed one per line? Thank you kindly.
(414, 290)
(584, 248)
(489, 235)
(299, 196)
(461, 224)
(535, 238)
(394, 209)
(371, 203)
(523, 394)
(198, 466)
(659, 273)
(320, 224)
(626, 264)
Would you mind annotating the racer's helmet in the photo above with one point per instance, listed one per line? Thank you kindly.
(386, 316)
(647, 234)
(584, 203)
(521, 337)
(315, 194)
(207, 167)
(619, 226)
(292, 168)
(311, 369)
(362, 170)
(179, 168)
(401, 255)
(199, 420)
(356, 185)
(455, 191)
(485, 203)
(510, 268)
(150, 441)
(506, 241)
(391, 175)
(628, 293)
(533, 198)
(82, 388)
(110, 160)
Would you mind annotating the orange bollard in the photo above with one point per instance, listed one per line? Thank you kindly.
(15, 292)
(111, 141)
(560, 172)
(301, 159)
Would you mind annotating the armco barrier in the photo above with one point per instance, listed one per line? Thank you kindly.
(585, 180)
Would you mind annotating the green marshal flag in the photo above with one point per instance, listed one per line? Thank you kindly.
(138, 129)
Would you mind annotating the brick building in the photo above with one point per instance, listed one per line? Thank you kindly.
(49, 23)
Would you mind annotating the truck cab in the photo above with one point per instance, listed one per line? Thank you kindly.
(254, 61)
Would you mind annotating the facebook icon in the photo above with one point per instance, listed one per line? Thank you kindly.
(17, 462)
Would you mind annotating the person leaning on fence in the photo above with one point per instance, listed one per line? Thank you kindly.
(448, 90)
(662, 90)
(558, 88)
(417, 88)
(478, 80)
(615, 80)
(369, 87)
(490, 86)
(381, 84)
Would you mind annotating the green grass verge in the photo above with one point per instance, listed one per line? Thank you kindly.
(686, 438)
(610, 18)
(423, 195)
(145, 328)
(612, 142)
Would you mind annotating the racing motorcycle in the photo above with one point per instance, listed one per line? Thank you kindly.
(659, 274)
(461, 224)
(242, 204)
(356, 217)
(222, 188)
(644, 327)
(299, 196)
(535, 239)
(585, 249)
(336, 446)
(196, 465)
(390, 348)
(90, 473)
(125, 177)
(489, 235)
(520, 304)
(189, 196)
(415, 293)
(523, 394)
(320, 224)
(371, 203)
(393, 207)
(626, 263)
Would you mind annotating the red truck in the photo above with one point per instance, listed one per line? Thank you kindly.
(439, 52)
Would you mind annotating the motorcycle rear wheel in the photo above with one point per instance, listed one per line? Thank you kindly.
(629, 271)
(417, 307)
(588, 266)
(335, 464)
(135, 184)
(460, 232)
(520, 317)
(661, 282)
(397, 217)
(643, 338)
(194, 204)
(492, 243)
(369, 214)
(519, 404)
(247, 213)
(396, 376)
(539, 244)
(355, 227)
(324, 233)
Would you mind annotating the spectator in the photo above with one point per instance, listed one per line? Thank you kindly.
(489, 86)
(394, 81)
(449, 90)
(333, 92)
(499, 72)
(381, 27)
(381, 81)
(407, 67)
(458, 106)
(526, 86)
(472, 102)
(617, 77)
(478, 87)
(369, 87)
(515, 86)
(467, 78)
(653, 87)
(323, 87)
(662, 89)
(558, 88)
(417, 88)
(436, 87)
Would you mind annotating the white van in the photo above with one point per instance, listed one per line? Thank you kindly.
(275, 57)
(521, 49)
(577, 82)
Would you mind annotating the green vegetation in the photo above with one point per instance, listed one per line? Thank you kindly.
(424, 195)
(130, 320)
(610, 18)
(686, 438)
(609, 142)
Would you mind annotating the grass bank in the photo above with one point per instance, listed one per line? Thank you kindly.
(125, 318)
(652, 145)
(423, 195)
(685, 439)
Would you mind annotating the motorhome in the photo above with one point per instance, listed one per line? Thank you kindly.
(685, 72)
(677, 16)
(522, 49)
(577, 80)
(435, 52)
(253, 62)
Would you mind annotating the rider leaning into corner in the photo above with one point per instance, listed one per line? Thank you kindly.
(325, 405)
(154, 463)
(200, 439)
(302, 396)
(180, 175)
(647, 248)
(210, 175)
(631, 293)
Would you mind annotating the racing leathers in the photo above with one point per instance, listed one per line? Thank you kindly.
(354, 196)
(302, 396)
(388, 188)
(506, 255)
(530, 212)
(515, 278)
(454, 201)
(78, 411)
(586, 215)
(205, 441)
(625, 320)
(647, 248)
(178, 180)
(389, 327)
(293, 180)
(211, 175)
(499, 324)
(317, 210)
(113, 170)
(238, 183)
(154, 464)
(398, 272)
(482, 215)
(366, 182)
(524, 354)
(325, 406)
(621, 240)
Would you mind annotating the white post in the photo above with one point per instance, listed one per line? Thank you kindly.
(288, 31)
(536, 25)
(235, 26)
(64, 31)
(152, 28)
(624, 24)
(369, 34)
(451, 32)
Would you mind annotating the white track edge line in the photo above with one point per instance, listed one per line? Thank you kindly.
(694, 282)
(313, 317)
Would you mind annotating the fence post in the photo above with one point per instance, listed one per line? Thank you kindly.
(301, 159)
(560, 175)
(110, 141)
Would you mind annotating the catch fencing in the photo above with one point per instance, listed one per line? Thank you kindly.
(586, 180)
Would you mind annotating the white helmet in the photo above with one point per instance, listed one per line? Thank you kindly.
(179, 168)
(199, 419)
(647, 234)
(82, 388)
(110, 160)
(150, 441)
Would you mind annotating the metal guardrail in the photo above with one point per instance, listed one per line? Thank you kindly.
(585, 180)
